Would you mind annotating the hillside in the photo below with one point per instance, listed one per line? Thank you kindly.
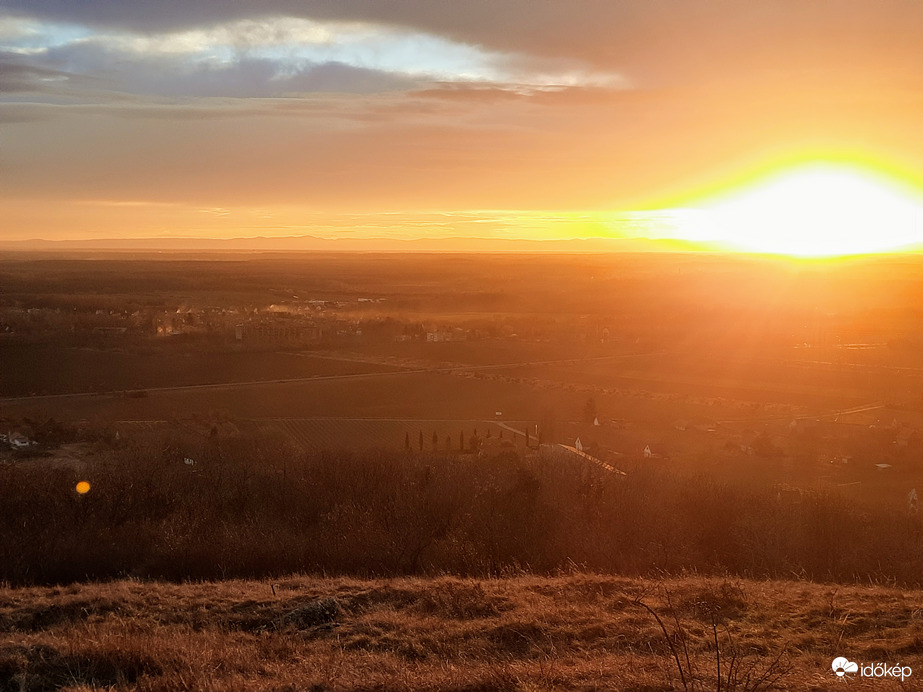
(572, 632)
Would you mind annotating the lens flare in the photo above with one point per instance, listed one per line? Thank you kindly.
(82, 488)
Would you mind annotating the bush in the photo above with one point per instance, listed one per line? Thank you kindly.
(247, 507)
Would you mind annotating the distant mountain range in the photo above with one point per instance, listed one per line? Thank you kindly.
(314, 244)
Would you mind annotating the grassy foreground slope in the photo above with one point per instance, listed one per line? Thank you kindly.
(574, 632)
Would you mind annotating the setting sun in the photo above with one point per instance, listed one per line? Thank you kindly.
(813, 211)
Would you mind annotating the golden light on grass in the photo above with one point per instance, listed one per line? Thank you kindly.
(82, 488)
(810, 211)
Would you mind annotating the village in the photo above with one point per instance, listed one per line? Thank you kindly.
(294, 322)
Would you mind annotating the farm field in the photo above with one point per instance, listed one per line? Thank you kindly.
(382, 409)
(711, 387)
(400, 394)
(393, 394)
(497, 351)
(48, 370)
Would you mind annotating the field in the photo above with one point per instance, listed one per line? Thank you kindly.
(766, 418)
(571, 632)
(48, 370)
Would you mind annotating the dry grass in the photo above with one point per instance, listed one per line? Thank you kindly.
(576, 632)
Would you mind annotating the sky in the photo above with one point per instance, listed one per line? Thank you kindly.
(427, 118)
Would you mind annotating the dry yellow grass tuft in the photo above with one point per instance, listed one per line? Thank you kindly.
(575, 632)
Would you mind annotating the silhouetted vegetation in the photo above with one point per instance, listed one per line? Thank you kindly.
(246, 506)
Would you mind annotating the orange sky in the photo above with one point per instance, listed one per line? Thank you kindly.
(506, 118)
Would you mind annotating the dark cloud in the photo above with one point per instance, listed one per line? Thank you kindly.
(343, 78)
(654, 40)
(257, 78)
(18, 75)
(472, 18)
(177, 76)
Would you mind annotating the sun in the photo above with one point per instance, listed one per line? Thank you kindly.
(811, 211)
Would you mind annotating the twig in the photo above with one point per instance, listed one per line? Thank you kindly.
(666, 635)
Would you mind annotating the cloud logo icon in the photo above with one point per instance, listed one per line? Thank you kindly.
(842, 665)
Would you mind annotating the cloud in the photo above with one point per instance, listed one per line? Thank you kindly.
(248, 58)
(254, 48)
(649, 37)
(407, 104)
(18, 75)
(172, 75)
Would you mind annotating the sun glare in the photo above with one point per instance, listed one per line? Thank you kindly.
(817, 211)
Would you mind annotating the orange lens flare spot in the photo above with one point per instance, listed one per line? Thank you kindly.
(82, 488)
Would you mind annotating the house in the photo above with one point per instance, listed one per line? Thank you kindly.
(19, 441)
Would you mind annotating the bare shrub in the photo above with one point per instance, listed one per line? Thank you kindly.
(713, 658)
(251, 507)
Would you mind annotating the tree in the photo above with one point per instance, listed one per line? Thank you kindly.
(435, 440)
(461, 441)
(406, 440)
(421, 440)
(546, 431)
(589, 410)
